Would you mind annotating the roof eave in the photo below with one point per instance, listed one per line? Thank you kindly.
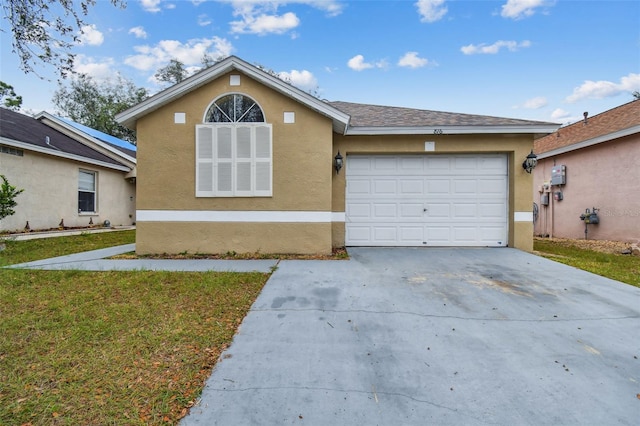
(590, 142)
(61, 154)
(129, 117)
(454, 130)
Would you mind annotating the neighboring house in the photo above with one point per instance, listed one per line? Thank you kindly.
(69, 177)
(600, 158)
(234, 159)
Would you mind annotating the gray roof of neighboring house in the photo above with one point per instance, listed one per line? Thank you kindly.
(22, 128)
(363, 115)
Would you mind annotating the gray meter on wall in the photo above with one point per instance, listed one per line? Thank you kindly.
(559, 175)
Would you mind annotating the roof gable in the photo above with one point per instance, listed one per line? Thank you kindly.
(130, 116)
(614, 123)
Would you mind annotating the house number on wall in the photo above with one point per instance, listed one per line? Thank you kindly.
(437, 131)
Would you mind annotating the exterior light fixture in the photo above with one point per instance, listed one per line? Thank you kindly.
(337, 162)
(530, 162)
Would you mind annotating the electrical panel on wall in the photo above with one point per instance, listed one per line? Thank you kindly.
(559, 175)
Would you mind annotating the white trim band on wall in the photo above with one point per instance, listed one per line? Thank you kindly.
(253, 216)
(523, 217)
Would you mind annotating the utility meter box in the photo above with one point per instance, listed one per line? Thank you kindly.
(559, 175)
(544, 199)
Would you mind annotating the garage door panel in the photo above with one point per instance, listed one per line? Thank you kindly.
(439, 210)
(358, 211)
(438, 200)
(465, 187)
(359, 234)
(411, 187)
(385, 234)
(359, 186)
(491, 211)
(381, 163)
(412, 234)
(411, 211)
(464, 211)
(384, 186)
(439, 186)
(492, 186)
(385, 211)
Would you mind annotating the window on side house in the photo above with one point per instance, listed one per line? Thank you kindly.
(234, 150)
(86, 192)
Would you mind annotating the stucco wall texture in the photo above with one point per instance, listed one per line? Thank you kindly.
(303, 176)
(605, 176)
(51, 193)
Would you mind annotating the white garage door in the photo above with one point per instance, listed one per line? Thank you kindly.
(426, 200)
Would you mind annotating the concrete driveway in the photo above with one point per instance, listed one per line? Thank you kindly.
(431, 336)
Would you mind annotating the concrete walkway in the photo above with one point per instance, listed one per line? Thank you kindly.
(96, 260)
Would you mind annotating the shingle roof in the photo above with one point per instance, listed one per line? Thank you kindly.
(614, 120)
(363, 115)
(22, 128)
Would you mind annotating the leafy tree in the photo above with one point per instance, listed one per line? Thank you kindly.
(8, 97)
(173, 73)
(95, 104)
(8, 193)
(45, 31)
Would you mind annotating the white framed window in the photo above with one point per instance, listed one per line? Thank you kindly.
(87, 191)
(234, 160)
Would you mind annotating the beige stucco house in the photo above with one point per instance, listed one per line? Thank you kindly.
(234, 159)
(70, 178)
(592, 163)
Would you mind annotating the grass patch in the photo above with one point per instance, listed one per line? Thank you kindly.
(30, 250)
(113, 347)
(624, 268)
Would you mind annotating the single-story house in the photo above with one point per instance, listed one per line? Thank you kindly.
(591, 163)
(235, 159)
(70, 178)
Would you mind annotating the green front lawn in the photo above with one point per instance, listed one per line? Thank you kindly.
(624, 268)
(110, 347)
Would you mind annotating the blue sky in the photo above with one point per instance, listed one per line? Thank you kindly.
(547, 60)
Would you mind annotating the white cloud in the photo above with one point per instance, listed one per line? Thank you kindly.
(152, 6)
(90, 35)
(204, 20)
(189, 53)
(97, 69)
(517, 9)
(560, 114)
(535, 103)
(139, 32)
(261, 17)
(494, 48)
(431, 10)
(604, 89)
(357, 63)
(411, 60)
(265, 24)
(304, 79)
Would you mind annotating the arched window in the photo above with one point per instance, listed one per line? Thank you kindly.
(234, 108)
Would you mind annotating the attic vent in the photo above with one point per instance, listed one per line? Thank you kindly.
(47, 140)
(585, 114)
(234, 80)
